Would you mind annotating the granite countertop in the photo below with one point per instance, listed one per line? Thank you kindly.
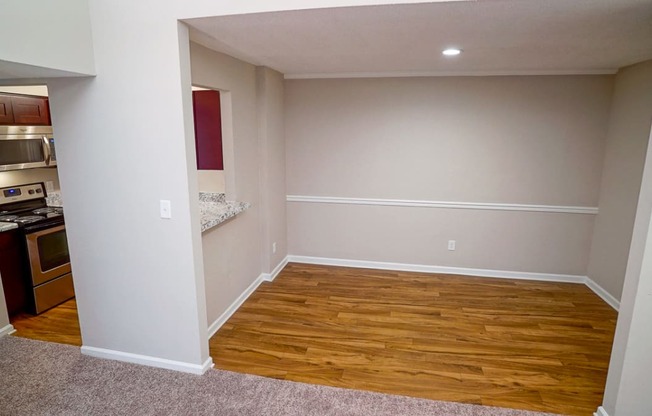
(54, 199)
(214, 209)
(6, 226)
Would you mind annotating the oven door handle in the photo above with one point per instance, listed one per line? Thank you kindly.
(47, 150)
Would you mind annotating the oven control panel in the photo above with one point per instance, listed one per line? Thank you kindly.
(22, 193)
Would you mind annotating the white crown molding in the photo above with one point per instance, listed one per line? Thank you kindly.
(444, 204)
(413, 74)
(7, 330)
(501, 274)
(263, 277)
(600, 412)
(148, 360)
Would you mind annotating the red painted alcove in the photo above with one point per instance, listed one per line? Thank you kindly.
(208, 129)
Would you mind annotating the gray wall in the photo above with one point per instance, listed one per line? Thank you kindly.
(516, 140)
(627, 141)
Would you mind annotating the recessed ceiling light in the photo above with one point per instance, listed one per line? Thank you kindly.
(451, 51)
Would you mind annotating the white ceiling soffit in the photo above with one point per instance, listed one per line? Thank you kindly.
(498, 37)
(19, 71)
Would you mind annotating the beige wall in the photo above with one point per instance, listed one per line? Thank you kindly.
(211, 181)
(272, 141)
(41, 90)
(627, 191)
(234, 253)
(515, 140)
(20, 177)
(4, 317)
(627, 140)
(627, 391)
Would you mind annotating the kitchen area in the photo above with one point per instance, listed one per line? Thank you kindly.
(37, 279)
(34, 259)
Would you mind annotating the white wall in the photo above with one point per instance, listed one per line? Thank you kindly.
(125, 142)
(514, 140)
(627, 141)
(44, 38)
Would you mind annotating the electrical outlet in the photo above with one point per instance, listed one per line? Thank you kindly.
(451, 245)
(273, 247)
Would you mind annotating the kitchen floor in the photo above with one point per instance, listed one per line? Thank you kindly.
(59, 324)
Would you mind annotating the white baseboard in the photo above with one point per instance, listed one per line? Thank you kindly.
(271, 276)
(221, 320)
(405, 267)
(147, 360)
(264, 277)
(606, 296)
(7, 330)
(502, 274)
(600, 412)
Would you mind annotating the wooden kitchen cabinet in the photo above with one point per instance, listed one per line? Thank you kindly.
(208, 129)
(25, 110)
(6, 111)
(12, 272)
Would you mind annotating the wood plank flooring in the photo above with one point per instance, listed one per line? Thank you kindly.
(59, 324)
(511, 343)
(521, 344)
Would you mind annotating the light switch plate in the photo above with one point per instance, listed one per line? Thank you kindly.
(166, 209)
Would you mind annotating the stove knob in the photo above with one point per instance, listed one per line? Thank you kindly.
(31, 192)
(38, 191)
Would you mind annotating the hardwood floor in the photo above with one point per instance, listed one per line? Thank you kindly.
(511, 343)
(59, 324)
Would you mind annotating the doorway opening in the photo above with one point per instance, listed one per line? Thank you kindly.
(37, 284)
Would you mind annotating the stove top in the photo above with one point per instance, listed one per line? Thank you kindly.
(25, 204)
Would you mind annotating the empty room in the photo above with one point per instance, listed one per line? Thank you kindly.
(444, 203)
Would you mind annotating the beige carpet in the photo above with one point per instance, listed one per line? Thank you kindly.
(40, 378)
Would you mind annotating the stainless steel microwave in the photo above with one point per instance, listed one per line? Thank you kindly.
(26, 147)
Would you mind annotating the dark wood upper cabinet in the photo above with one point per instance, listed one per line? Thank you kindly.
(6, 111)
(24, 110)
(208, 129)
(31, 111)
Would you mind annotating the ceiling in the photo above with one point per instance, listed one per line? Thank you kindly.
(496, 36)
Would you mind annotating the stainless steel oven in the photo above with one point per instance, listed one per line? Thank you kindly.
(26, 147)
(47, 272)
(49, 263)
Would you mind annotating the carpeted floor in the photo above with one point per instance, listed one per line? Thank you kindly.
(40, 378)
